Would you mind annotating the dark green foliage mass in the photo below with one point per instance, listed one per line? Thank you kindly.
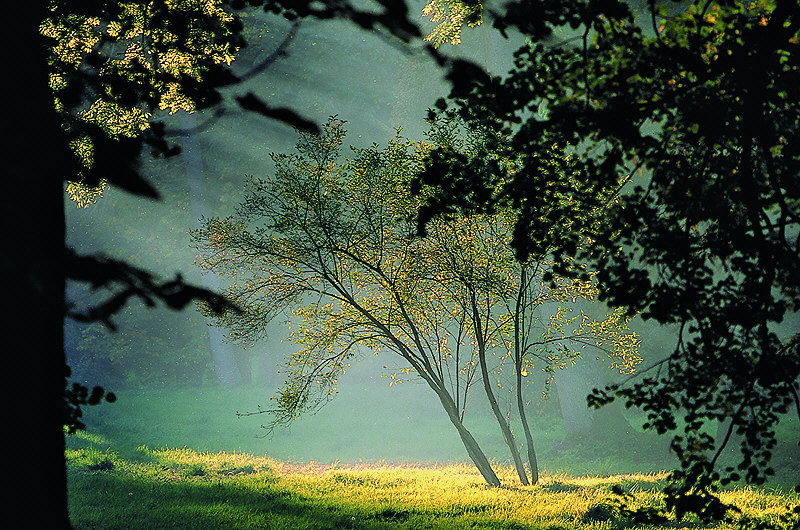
(699, 103)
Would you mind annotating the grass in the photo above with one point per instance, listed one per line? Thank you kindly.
(183, 459)
(182, 488)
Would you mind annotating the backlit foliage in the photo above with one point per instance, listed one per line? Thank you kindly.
(450, 17)
(111, 70)
(329, 241)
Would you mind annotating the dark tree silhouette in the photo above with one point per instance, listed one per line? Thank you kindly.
(700, 104)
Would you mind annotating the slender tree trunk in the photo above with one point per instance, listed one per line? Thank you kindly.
(474, 451)
(508, 436)
(532, 462)
(519, 327)
(227, 370)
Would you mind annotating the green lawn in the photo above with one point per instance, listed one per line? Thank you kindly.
(181, 488)
(183, 459)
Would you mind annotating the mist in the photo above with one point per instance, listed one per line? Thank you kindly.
(327, 68)
(180, 383)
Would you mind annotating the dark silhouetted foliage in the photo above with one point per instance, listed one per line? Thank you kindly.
(700, 104)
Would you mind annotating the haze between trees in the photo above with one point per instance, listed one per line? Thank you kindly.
(329, 242)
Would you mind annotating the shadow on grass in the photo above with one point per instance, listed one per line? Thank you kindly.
(114, 500)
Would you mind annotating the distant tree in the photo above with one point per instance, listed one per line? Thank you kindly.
(330, 243)
(702, 100)
(148, 354)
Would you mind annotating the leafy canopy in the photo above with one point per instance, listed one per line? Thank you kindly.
(450, 16)
(112, 65)
(699, 104)
(329, 242)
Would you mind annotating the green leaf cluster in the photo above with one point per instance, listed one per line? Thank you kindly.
(115, 65)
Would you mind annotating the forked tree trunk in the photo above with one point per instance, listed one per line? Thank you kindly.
(474, 451)
(508, 436)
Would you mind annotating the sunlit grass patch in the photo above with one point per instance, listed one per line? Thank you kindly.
(92, 459)
(763, 508)
(84, 438)
(188, 463)
(182, 488)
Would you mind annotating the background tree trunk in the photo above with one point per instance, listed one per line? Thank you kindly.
(227, 363)
(573, 384)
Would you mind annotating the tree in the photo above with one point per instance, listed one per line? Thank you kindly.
(331, 244)
(62, 69)
(514, 317)
(49, 150)
(513, 313)
(145, 354)
(702, 101)
(334, 243)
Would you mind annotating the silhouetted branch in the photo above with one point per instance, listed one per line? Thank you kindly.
(253, 103)
(132, 282)
(219, 109)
